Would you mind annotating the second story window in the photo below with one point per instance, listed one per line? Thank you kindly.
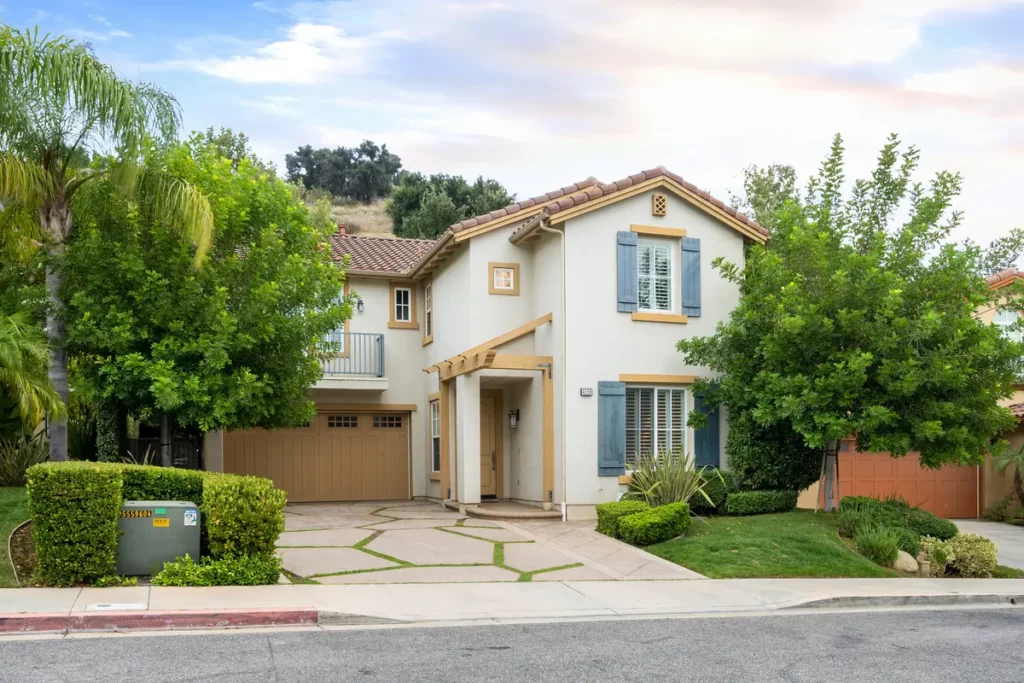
(1005, 319)
(403, 305)
(654, 276)
(428, 310)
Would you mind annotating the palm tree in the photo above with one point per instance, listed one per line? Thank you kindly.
(1014, 458)
(56, 101)
(23, 359)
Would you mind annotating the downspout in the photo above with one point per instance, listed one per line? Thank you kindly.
(561, 323)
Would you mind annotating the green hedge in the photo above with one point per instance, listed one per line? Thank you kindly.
(655, 525)
(927, 524)
(243, 515)
(759, 502)
(74, 508)
(609, 514)
(716, 488)
(252, 570)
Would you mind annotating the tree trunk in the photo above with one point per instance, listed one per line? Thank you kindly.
(831, 460)
(165, 440)
(55, 221)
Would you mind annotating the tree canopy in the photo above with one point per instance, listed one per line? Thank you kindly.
(854, 323)
(231, 345)
(362, 173)
(424, 207)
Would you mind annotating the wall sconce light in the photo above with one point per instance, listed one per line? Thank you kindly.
(513, 419)
(359, 304)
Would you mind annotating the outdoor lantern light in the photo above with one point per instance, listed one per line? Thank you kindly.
(359, 304)
(513, 419)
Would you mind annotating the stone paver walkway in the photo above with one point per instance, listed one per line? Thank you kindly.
(421, 542)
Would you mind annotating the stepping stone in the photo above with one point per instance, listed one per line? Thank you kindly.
(411, 524)
(426, 575)
(529, 557)
(310, 561)
(474, 522)
(425, 512)
(329, 538)
(322, 521)
(430, 546)
(490, 534)
(574, 574)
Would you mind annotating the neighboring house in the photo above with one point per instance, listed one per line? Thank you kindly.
(526, 355)
(952, 491)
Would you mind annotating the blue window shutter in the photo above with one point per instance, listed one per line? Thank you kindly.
(691, 276)
(707, 439)
(626, 254)
(611, 428)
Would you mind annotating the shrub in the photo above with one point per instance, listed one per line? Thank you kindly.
(148, 482)
(935, 550)
(970, 555)
(668, 476)
(759, 502)
(251, 570)
(880, 544)
(115, 580)
(848, 520)
(715, 488)
(244, 515)
(1000, 511)
(909, 540)
(74, 508)
(769, 458)
(655, 525)
(927, 524)
(18, 455)
(609, 514)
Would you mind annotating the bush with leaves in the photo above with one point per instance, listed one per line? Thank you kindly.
(966, 555)
(715, 490)
(655, 525)
(18, 455)
(759, 502)
(609, 514)
(243, 515)
(880, 544)
(927, 524)
(669, 476)
(249, 570)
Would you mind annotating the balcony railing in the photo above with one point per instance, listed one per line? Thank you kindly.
(354, 354)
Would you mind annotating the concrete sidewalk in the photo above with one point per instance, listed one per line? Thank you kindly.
(89, 609)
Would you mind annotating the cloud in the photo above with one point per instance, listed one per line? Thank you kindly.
(99, 36)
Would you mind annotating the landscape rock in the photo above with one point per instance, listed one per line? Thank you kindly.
(906, 563)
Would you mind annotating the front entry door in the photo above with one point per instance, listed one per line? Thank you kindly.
(488, 448)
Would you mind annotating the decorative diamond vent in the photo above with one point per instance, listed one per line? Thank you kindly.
(659, 204)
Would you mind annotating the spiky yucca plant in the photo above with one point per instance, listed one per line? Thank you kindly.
(668, 476)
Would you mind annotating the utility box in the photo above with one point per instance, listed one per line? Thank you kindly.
(154, 532)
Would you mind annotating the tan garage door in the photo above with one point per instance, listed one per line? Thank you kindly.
(948, 492)
(339, 456)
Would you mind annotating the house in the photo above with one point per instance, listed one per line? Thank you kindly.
(952, 491)
(524, 356)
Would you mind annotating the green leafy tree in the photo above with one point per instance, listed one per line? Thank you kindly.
(26, 396)
(424, 207)
(362, 173)
(231, 345)
(56, 100)
(855, 324)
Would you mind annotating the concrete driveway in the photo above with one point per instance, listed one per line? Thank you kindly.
(1009, 539)
(418, 542)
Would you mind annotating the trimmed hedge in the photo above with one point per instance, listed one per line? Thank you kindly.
(716, 489)
(74, 508)
(927, 524)
(609, 514)
(252, 570)
(759, 502)
(655, 525)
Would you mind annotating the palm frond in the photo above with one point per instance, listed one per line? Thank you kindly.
(181, 204)
(23, 181)
(23, 356)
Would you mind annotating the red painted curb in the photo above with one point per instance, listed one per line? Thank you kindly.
(150, 621)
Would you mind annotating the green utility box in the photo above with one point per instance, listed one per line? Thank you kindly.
(154, 532)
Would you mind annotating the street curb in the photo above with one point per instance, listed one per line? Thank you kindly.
(155, 621)
(909, 601)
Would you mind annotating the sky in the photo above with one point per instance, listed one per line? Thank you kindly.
(542, 93)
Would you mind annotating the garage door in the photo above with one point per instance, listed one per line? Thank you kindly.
(948, 492)
(338, 457)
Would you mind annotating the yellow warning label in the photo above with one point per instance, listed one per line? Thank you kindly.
(161, 521)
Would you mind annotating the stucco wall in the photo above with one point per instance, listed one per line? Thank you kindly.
(602, 343)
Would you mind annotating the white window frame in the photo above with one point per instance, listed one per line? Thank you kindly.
(407, 306)
(435, 435)
(1005, 318)
(654, 423)
(503, 270)
(428, 310)
(654, 245)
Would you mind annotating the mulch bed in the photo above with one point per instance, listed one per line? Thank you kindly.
(23, 554)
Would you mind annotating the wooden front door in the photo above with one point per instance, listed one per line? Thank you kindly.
(488, 447)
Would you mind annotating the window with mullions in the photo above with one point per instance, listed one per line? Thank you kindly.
(655, 421)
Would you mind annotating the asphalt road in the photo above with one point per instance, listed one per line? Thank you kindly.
(978, 645)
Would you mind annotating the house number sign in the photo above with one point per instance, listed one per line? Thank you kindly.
(586, 391)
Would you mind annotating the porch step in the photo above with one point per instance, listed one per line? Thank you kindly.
(499, 511)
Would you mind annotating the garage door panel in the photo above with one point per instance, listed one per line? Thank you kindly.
(340, 460)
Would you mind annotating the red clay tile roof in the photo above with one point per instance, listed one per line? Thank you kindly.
(1003, 277)
(378, 254)
(525, 204)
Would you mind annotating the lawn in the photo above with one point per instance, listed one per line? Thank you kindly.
(13, 511)
(791, 544)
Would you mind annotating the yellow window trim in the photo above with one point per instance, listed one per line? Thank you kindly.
(434, 398)
(626, 479)
(660, 318)
(656, 231)
(491, 289)
(657, 379)
(402, 325)
(433, 316)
